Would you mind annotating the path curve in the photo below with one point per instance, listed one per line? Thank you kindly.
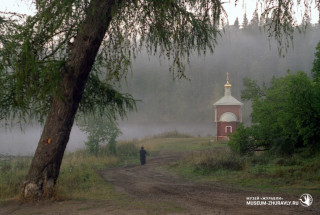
(153, 182)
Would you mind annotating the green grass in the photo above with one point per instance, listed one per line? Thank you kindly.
(79, 178)
(79, 174)
(207, 161)
(173, 144)
(258, 172)
(12, 172)
(172, 134)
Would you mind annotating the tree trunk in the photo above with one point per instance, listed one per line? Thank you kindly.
(45, 166)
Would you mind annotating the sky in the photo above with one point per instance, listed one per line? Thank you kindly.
(248, 6)
(19, 6)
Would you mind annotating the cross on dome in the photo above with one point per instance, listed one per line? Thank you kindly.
(227, 85)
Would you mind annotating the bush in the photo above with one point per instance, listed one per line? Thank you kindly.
(241, 141)
(128, 149)
(259, 159)
(92, 145)
(172, 134)
(100, 131)
(283, 146)
(210, 161)
(112, 147)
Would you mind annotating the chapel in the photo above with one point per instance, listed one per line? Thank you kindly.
(227, 113)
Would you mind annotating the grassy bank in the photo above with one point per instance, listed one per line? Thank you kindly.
(206, 160)
(176, 142)
(79, 175)
(12, 172)
(79, 178)
(262, 172)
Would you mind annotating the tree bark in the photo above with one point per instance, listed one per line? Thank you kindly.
(45, 166)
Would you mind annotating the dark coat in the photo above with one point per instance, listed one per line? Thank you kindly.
(143, 156)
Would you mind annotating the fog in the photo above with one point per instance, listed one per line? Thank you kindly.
(136, 131)
(16, 142)
(186, 105)
(242, 53)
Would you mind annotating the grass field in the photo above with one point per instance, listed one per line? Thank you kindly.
(206, 160)
(263, 172)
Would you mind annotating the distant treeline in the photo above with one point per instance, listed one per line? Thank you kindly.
(285, 115)
(245, 52)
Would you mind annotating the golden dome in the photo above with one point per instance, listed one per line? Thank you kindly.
(227, 85)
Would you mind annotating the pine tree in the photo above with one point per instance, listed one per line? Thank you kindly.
(245, 21)
(236, 23)
(254, 23)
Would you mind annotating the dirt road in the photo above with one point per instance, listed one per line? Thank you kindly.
(151, 189)
(151, 182)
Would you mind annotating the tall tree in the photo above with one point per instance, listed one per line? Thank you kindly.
(254, 22)
(47, 59)
(101, 127)
(285, 115)
(236, 23)
(316, 64)
(68, 36)
(245, 21)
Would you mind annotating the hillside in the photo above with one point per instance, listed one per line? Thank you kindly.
(241, 52)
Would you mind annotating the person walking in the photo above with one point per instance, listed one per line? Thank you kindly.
(143, 156)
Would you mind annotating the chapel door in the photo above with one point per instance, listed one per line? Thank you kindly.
(228, 130)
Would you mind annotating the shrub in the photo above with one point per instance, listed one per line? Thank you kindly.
(172, 134)
(92, 145)
(241, 141)
(128, 149)
(112, 148)
(259, 159)
(210, 161)
(283, 146)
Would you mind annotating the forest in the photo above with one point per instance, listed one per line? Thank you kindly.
(285, 114)
(243, 52)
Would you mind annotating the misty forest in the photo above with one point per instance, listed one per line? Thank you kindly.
(110, 107)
